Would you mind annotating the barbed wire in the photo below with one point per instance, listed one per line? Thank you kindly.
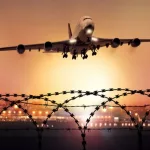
(45, 97)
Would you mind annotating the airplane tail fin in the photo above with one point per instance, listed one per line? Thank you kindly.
(69, 31)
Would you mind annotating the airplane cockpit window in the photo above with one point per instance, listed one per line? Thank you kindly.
(86, 18)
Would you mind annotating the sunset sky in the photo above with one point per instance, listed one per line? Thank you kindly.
(38, 21)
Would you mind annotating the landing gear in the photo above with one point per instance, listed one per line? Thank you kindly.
(65, 51)
(83, 54)
(74, 54)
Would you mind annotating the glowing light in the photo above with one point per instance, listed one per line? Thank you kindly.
(20, 112)
(115, 124)
(33, 112)
(136, 114)
(15, 106)
(14, 112)
(72, 41)
(40, 112)
(46, 112)
(52, 126)
(105, 124)
(122, 124)
(95, 124)
(9, 112)
(4, 112)
(94, 39)
(104, 109)
(111, 107)
(110, 124)
(89, 31)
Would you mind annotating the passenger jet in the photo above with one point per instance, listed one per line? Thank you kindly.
(79, 42)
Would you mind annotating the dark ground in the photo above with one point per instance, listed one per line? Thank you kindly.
(65, 140)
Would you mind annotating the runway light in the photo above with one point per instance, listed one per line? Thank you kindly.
(20, 112)
(104, 109)
(136, 114)
(15, 106)
(9, 112)
(100, 124)
(40, 112)
(33, 112)
(46, 112)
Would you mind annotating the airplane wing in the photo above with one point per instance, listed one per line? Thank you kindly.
(101, 42)
(47, 46)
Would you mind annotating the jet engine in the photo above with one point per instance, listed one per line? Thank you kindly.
(48, 46)
(20, 48)
(135, 42)
(115, 43)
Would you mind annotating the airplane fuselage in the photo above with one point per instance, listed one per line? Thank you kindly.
(84, 29)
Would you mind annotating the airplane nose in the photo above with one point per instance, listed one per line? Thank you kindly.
(89, 29)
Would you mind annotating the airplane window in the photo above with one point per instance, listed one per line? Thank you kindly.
(86, 18)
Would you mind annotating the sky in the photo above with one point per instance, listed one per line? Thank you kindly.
(38, 21)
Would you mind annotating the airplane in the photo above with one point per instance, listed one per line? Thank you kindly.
(79, 42)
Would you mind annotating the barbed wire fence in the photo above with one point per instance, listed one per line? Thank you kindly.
(23, 99)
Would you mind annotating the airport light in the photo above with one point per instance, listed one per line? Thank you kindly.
(104, 109)
(111, 107)
(15, 106)
(136, 114)
(20, 112)
(4, 112)
(33, 112)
